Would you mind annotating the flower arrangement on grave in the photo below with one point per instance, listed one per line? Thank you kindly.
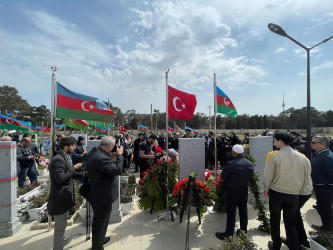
(39, 200)
(205, 192)
(43, 163)
(220, 202)
(150, 184)
(27, 188)
(43, 215)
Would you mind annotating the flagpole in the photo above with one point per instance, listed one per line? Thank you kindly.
(166, 115)
(53, 107)
(151, 115)
(167, 214)
(215, 144)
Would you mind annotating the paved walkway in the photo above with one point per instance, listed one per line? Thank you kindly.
(140, 230)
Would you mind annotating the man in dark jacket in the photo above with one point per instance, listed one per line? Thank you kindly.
(236, 176)
(26, 159)
(62, 197)
(322, 177)
(137, 143)
(103, 173)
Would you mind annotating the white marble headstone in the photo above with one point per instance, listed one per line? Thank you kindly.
(192, 157)
(260, 146)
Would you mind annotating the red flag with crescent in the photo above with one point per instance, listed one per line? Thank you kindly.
(181, 105)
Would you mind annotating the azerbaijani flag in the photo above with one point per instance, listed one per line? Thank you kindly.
(27, 124)
(8, 123)
(74, 105)
(172, 130)
(101, 130)
(59, 126)
(155, 129)
(78, 124)
(35, 130)
(179, 129)
(12, 114)
(191, 130)
(142, 128)
(224, 104)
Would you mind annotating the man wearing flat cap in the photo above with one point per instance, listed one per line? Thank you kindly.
(236, 176)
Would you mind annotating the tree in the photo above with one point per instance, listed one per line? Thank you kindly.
(10, 100)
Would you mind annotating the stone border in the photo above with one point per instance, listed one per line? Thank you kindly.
(37, 225)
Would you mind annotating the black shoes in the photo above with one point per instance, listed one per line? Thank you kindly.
(270, 245)
(284, 240)
(221, 236)
(106, 240)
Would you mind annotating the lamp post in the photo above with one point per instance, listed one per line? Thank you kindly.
(278, 30)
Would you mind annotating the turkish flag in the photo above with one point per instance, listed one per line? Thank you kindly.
(47, 130)
(121, 128)
(181, 105)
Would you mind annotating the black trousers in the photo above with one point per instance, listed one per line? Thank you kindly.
(143, 167)
(287, 203)
(324, 195)
(99, 226)
(301, 233)
(236, 197)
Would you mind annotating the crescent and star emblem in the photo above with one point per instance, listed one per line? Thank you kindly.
(9, 121)
(226, 102)
(87, 107)
(175, 104)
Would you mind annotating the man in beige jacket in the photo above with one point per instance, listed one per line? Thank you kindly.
(287, 180)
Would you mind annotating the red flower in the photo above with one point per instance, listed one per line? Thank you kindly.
(152, 175)
(208, 175)
(141, 182)
(139, 195)
(158, 149)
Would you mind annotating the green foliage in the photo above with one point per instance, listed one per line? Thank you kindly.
(39, 200)
(324, 238)
(27, 188)
(220, 202)
(242, 242)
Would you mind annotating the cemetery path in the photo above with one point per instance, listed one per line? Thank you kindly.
(141, 230)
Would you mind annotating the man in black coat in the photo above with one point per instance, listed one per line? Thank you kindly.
(62, 197)
(136, 150)
(103, 173)
(236, 176)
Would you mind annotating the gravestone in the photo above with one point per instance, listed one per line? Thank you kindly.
(192, 157)
(9, 222)
(116, 213)
(260, 146)
(85, 136)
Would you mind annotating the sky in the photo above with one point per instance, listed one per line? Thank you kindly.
(120, 49)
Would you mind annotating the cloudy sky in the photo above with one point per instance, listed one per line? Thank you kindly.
(119, 49)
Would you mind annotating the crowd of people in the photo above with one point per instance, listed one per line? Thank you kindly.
(289, 178)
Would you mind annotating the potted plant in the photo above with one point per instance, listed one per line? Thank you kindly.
(242, 242)
(127, 197)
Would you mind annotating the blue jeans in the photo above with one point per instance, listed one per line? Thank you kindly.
(30, 172)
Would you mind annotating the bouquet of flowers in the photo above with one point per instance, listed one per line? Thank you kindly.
(150, 184)
(43, 163)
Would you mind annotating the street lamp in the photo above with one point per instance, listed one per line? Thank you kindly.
(278, 30)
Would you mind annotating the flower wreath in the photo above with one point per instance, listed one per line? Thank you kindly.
(150, 184)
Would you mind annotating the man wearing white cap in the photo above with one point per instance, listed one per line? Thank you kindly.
(236, 176)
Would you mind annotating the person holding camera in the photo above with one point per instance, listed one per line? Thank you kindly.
(104, 167)
(26, 159)
(62, 197)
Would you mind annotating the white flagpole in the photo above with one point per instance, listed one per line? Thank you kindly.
(166, 114)
(215, 144)
(53, 113)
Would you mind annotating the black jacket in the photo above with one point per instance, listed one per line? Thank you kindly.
(103, 177)
(61, 197)
(23, 153)
(237, 173)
